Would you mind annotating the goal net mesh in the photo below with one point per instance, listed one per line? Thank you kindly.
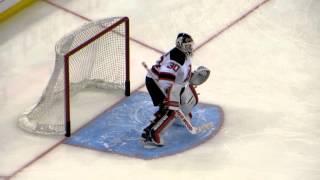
(96, 57)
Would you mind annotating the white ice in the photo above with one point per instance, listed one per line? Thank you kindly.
(265, 76)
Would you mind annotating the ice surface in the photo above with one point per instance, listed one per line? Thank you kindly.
(265, 74)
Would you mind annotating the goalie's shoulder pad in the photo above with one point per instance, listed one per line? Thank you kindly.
(200, 75)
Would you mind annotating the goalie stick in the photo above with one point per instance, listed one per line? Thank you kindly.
(179, 114)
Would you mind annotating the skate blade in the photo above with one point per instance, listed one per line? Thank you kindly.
(150, 145)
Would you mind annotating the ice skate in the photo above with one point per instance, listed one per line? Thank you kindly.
(148, 141)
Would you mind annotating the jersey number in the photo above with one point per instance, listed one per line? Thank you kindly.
(173, 66)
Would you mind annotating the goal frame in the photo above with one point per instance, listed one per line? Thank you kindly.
(67, 96)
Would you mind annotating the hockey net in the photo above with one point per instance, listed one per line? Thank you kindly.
(96, 55)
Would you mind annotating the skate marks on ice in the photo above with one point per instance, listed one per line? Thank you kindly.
(118, 130)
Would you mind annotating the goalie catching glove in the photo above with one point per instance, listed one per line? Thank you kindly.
(199, 76)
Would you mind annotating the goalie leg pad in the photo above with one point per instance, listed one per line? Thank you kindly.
(174, 96)
(152, 133)
(161, 125)
(189, 99)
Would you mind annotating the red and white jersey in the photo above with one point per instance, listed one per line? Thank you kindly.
(173, 67)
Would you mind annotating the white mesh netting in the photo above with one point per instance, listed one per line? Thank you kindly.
(98, 64)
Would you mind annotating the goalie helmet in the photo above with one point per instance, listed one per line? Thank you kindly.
(184, 42)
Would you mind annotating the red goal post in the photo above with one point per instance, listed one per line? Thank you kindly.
(96, 55)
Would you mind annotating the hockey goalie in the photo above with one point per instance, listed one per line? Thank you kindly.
(171, 86)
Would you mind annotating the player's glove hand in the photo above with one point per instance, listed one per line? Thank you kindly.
(199, 76)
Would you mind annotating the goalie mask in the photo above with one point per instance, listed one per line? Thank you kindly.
(184, 42)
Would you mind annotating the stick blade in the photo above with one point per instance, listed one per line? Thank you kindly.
(205, 127)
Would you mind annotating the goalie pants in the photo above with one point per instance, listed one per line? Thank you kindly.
(188, 96)
(154, 91)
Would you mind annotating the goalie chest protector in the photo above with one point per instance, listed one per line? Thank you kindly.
(173, 66)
